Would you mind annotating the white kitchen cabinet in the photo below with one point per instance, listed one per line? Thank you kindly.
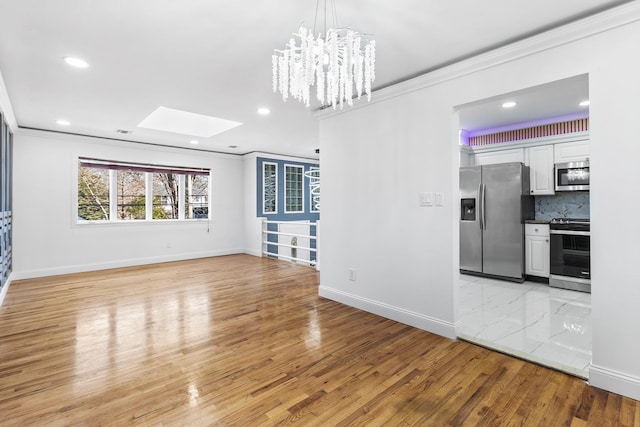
(500, 156)
(537, 250)
(575, 151)
(540, 162)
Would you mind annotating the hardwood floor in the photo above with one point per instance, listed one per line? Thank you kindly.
(245, 341)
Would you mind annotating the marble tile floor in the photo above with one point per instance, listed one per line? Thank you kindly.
(548, 326)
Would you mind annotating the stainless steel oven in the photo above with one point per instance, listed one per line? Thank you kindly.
(570, 254)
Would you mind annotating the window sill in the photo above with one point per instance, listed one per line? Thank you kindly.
(142, 222)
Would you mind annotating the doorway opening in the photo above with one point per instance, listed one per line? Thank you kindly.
(531, 320)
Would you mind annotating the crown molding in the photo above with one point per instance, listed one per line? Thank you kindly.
(586, 27)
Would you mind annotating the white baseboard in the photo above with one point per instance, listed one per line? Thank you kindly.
(417, 320)
(614, 381)
(70, 269)
(5, 288)
(253, 252)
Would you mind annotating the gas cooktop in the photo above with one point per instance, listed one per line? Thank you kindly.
(570, 221)
(578, 224)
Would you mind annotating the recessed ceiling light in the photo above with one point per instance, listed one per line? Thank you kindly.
(63, 122)
(264, 111)
(194, 142)
(76, 62)
(584, 103)
(509, 104)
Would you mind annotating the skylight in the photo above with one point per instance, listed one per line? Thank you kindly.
(186, 123)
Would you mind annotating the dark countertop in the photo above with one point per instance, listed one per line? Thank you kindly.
(536, 221)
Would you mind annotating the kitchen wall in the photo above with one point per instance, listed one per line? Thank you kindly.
(405, 142)
(570, 204)
(48, 241)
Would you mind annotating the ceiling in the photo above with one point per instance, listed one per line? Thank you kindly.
(214, 58)
(547, 103)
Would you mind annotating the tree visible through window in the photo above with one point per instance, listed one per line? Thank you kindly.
(116, 191)
(165, 195)
(196, 203)
(131, 194)
(93, 194)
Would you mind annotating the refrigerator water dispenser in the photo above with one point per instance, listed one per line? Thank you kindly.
(468, 209)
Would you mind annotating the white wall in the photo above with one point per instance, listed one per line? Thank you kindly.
(47, 240)
(375, 162)
(252, 226)
(378, 157)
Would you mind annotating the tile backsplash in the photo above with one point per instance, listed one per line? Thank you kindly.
(570, 204)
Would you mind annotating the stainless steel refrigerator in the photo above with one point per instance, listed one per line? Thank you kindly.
(494, 203)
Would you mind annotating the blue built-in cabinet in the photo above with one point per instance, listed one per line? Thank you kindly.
(275, 203)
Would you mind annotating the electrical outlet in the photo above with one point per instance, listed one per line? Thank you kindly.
(352, 274)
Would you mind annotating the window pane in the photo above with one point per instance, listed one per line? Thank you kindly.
(293, 189)
(270, 183)
(131, 195)
(196, 196)
(93, 194)
(165, 196)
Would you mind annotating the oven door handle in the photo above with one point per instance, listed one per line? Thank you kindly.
(571, 232)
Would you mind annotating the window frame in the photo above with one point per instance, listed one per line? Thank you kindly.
(302, 195)
(264, 193)
(148, 169)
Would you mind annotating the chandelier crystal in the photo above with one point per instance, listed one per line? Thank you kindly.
(336, 64)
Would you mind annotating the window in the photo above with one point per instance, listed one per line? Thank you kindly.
(269, 188)
(196, 202)
(293, 191)
(131, 194)
(117, 191)
(93, 194)
(165, 195)
(6, 197)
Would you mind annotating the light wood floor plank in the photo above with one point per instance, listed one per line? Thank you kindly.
(245, 341)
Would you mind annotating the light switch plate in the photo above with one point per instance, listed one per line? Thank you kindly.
(426, 199)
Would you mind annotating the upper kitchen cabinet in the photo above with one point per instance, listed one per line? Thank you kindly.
(540, 162)
(576, 151)
(499, 156)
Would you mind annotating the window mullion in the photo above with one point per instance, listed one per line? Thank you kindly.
(181, 196)
(148, 195)
(113, 195)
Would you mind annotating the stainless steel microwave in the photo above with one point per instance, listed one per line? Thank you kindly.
(572, 176)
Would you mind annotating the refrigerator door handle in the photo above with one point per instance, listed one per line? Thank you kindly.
(484, 202)
(480, 206)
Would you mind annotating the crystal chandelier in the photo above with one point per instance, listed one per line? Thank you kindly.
(336, 64)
